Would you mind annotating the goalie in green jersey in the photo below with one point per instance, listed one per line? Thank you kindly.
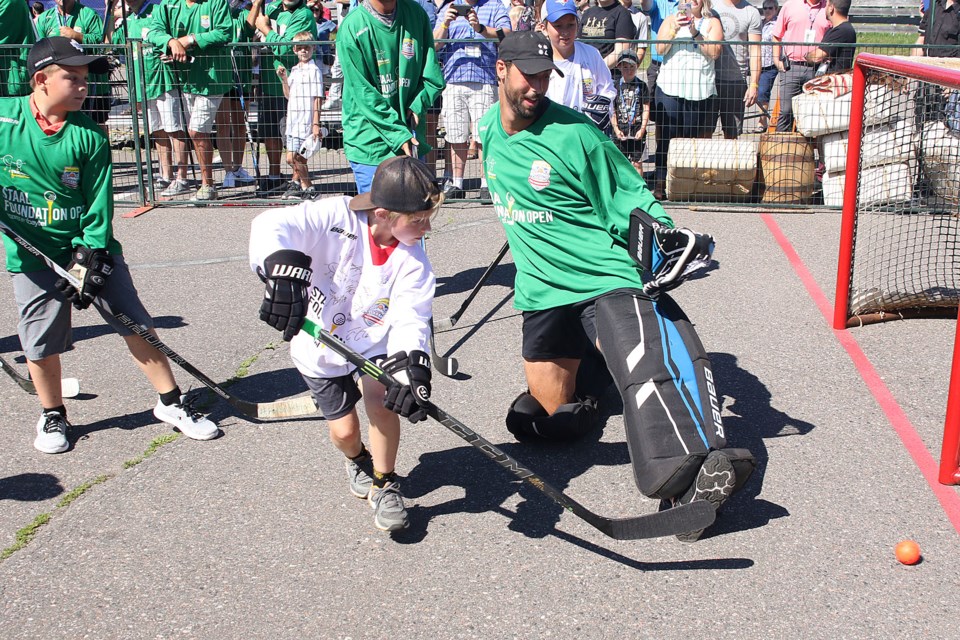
(595, 254)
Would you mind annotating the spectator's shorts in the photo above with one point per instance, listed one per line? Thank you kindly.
(164, 113)
(98, 107)
(294, 143)
(44, 327)
(272, 109)
(202, 111)
(463, 106)
(334, 397)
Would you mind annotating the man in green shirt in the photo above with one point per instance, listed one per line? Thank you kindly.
(279, 22)
(56, 193)
(571, 204)
(192, 36)
(390, 75)
(17, 29)
(71, 19)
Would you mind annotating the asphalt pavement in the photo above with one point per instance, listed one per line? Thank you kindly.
(254, 535)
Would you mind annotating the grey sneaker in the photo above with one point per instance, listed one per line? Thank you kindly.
(205, 193)
(358, 472)
(175, 188)
(186, 419)
(52, 433)
(715, 482)
(389, 512)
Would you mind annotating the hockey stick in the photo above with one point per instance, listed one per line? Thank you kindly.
(447, 366)
(290, 408)
(449, 323)
(692, 516)
(69, 387)
(254, 149)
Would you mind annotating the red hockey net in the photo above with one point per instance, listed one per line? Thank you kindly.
(900, 231)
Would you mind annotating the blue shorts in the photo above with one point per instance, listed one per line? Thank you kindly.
(363, 175)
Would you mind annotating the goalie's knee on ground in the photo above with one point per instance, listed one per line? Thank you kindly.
(527, 419)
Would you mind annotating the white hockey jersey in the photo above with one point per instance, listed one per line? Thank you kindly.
(375, 307)
(584, 74)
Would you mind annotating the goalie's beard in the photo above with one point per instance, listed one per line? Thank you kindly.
(515, 99)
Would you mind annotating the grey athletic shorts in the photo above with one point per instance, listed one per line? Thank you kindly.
(45, 328)
(335, 397)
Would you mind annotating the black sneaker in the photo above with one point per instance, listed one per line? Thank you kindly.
(270, 186)
(715, 483)
(451, 192)
(293, 192)
(485, 196)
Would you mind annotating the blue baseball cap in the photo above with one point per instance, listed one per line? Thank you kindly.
(556, 9)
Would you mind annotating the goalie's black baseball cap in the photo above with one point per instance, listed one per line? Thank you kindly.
(529, 51)
(402, 184)
(63, 51)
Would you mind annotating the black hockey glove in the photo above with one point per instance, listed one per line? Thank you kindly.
(287, 276)
(668, 255)
(91, 267)
(411, 394)
(597, 107)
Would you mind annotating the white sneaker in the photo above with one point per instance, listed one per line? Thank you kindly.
(186, 419)
(176, 188)
(241, 175)
(229, 180)
(52, 433)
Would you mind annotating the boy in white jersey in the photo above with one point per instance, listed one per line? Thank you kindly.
(582, 80)
(357, 268)
(303, 87)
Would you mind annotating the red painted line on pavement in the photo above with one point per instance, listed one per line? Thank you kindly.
(947, 495)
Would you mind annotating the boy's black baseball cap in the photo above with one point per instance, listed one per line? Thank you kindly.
(402, 184)
(63, 51)
(530, 51)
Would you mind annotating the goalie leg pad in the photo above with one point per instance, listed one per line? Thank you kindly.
(527, 419)
(671, 408)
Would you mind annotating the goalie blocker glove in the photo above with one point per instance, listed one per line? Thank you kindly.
(668, 255)
(410, 394)
(91, 267)
(597, 107)
(287, 276)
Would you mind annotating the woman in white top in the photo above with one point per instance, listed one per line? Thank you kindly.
(686, 87)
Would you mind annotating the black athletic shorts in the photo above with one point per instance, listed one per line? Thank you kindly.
(270, 111)
(98, 108)
(335, 397)
(561, 332)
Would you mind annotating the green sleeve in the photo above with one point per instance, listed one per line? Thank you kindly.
(45, 23)
(300, 21)
(433, 82)
(615, 188)
(370, 103)
(221, 32)
(160, 29)
(96, 223)
(92, 26)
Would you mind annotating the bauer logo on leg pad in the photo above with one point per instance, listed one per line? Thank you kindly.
(714, 403)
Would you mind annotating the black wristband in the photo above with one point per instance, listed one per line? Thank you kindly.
(500, 34)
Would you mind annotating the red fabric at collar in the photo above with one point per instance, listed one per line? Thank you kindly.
(379, 254)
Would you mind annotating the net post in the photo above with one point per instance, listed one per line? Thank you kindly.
(950, 453)
(848, 219)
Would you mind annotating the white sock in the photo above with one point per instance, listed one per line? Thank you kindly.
(458, 183)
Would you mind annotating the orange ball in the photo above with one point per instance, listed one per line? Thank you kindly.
(908, 552)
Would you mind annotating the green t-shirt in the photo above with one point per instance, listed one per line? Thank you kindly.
(386, 73)
(157, 75)
(86, 21)
(208, 21)
(285, 24)
(564, 194)
(57, 190)
(17, 29)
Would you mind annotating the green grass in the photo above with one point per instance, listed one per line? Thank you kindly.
(157, 442)
(886, 38)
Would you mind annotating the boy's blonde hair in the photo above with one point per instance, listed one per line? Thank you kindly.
(303, 35)
(47, 69)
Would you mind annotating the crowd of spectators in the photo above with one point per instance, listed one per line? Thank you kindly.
(207, 65)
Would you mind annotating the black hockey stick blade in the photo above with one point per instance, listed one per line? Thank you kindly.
(290, 408)
(689, 517)
(69, 387)
(449, 323)
(446, 366)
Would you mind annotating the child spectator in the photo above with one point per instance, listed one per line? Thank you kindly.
(373, 287)
(63, 169)
(632, 109)
(303, 88)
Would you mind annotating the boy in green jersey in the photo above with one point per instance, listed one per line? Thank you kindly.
(55, 185)
(71, 19)
(192, 36)
(17, 29)
(570, 203)
(390, 74)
